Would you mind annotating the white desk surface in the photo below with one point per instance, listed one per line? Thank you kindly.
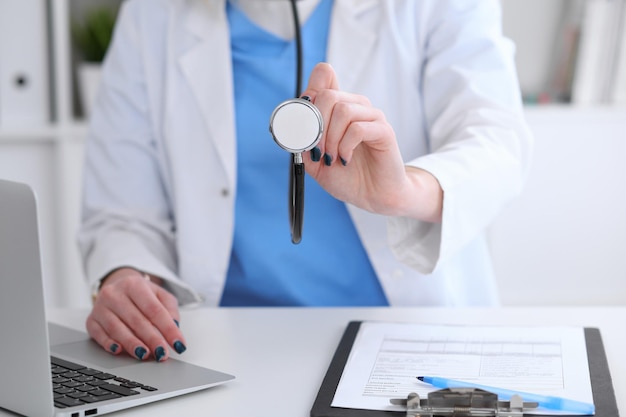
(280, 355)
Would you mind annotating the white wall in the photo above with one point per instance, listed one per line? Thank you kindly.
(533, 26)
(563, 242)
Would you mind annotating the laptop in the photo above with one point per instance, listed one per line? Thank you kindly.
(51, 370)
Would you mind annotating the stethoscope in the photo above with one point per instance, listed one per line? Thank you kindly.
(296, 126)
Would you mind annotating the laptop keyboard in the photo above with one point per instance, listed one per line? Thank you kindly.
(74, 384)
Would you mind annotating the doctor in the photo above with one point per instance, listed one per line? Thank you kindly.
(185, 193)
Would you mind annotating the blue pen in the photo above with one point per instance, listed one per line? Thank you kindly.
(548, 402)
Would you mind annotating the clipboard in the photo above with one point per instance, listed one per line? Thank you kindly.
(601, 383)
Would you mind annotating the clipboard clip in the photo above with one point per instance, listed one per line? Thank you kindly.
(463, 402)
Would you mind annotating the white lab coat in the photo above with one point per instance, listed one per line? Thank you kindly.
(160, 173)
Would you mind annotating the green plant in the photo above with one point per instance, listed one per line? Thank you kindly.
(92, 35)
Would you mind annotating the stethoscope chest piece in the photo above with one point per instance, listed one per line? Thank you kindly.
(296, 125)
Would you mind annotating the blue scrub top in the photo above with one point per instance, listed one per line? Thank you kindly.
(329, 267)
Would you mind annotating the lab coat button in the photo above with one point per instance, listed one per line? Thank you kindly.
(225, 192)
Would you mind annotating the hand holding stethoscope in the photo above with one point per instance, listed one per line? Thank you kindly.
(362, 164)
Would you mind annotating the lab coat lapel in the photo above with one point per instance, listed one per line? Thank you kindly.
(353, 36)
(207, 68)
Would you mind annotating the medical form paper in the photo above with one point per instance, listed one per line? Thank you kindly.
(386, 358)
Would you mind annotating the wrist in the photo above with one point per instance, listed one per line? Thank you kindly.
(424, 201)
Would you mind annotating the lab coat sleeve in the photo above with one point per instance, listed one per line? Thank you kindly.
(127, 219)
(480, 144)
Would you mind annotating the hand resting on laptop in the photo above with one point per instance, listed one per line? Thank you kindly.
(135, 315)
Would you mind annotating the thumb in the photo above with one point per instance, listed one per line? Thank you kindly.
(322, 77)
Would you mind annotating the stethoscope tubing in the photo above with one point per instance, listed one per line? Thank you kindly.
(296, 194)
(296, 186)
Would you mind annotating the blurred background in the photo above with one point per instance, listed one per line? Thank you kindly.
(560, 243)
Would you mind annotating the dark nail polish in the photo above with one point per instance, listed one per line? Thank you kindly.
(343, 161)
(179, 347)
(177, 323)
(140, 352)
(307, 98)
(159, 352)
(316, 154)
(328, 159)
(113, 347)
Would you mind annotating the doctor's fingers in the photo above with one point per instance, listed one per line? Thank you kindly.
(134, 315)
(322, 77)
(113, 335)
(351, 124)
(161, 308)
(131, 329)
